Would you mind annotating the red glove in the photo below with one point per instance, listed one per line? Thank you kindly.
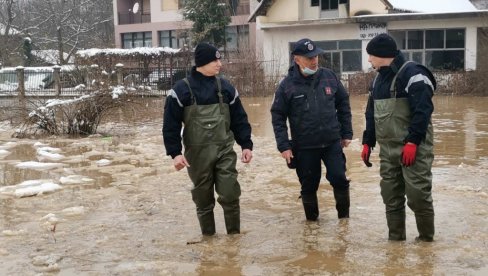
(365, 154)
(408, 154)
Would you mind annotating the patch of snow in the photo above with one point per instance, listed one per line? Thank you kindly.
(4, 153)
(38, 165)
(30, 188)
(50, 153)
(75, 179)
(80, 87)
(103, 162)
(117, 91)
(147, 51)
(13, 232)
(39, 144)
(74, 211)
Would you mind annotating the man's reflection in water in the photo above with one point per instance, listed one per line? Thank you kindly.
(219, 255)
(416, 258)
(323, 249)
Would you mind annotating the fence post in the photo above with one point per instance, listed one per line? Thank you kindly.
(57, 79)
(20, 77)
(91, 76)
(120, 76)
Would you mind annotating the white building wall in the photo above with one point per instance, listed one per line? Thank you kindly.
(276, 40)
(471, 48)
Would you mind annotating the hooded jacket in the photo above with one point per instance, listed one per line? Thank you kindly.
(317, 116)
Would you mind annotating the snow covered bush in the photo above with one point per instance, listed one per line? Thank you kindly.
(78, 116)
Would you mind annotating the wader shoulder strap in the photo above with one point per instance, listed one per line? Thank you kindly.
(193, 100)
(219, 87)
(393, 82)
(219, 93)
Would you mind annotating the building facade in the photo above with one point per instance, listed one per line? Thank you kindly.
(446, 40)
(159, 23)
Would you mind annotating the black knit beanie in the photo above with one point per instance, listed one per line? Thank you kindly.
(383, 46)
(205, 53)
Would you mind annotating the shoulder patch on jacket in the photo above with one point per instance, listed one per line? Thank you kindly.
(419, 78)
(172, 93)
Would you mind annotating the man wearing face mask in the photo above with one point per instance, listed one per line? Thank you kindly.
(316, 105)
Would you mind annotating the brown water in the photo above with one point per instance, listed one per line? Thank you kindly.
(135, 214)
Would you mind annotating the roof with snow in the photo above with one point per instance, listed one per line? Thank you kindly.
(144, 51)
(417, 6)
(432, 6)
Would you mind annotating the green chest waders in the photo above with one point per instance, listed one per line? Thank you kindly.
(392, 119)
(208, 143)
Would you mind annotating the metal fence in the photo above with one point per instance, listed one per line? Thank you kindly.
(71, 82)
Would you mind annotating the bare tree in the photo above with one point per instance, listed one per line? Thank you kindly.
(61, 25)
(64, 25)
(9, 36)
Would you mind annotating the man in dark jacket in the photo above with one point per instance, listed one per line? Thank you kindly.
(316, 105)
(398, 116)
(214, 119)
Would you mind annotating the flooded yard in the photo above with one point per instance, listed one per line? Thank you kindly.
(116, 206)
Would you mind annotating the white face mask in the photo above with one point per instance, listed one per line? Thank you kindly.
(307, 71)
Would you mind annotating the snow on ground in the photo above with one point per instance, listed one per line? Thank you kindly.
(30, 188)
(103, 162)
(75, 179)
(49, 153)
(38, 165)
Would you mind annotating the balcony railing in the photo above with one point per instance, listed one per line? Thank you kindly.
(134, 18)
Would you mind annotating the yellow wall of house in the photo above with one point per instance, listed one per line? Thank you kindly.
(374, 6)
(284, 10)
(169, 5)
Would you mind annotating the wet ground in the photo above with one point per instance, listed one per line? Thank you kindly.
(121, 209)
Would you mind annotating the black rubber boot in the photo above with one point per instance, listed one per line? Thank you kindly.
(207, 221)
(232, 217)
(342, 203)
(425, 226)
(311, 206)
(396, 225)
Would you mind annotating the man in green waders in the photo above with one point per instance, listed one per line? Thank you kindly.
(398, 116)
(214, 118)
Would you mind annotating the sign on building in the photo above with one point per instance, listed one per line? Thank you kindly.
(370, 30)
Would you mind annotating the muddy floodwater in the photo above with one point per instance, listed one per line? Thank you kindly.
(118, 207)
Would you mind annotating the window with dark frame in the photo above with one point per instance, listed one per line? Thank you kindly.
(438, 49)
(340, 55)
(138, 39)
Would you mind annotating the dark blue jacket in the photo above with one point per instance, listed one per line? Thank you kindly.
(205, 91)
(317, 118)
(414, 82)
